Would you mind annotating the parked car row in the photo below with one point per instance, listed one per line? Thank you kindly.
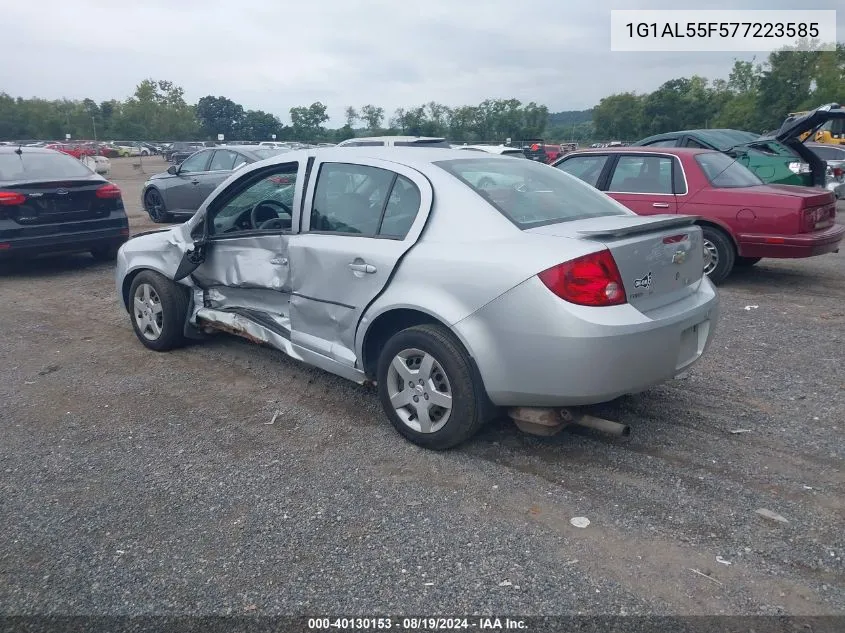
(352, 259)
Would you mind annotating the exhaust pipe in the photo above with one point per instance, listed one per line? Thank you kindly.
(547, 421)
(605, 426)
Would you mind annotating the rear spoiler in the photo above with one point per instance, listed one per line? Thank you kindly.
(640, 227)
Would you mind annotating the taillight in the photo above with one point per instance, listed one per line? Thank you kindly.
(11, 198)
(818, 218)
(109, 191)
(838, 172)
(799, 168)
(591, 280)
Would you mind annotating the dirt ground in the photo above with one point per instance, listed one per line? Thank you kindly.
(140, 483)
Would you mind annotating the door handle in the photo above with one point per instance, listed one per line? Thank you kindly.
(362, 268)
(660, 205)
(279, 261)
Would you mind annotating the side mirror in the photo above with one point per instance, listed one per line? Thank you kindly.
(173, 170)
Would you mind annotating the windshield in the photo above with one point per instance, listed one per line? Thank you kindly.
(41, 166)
(530, 194)
(724, 172)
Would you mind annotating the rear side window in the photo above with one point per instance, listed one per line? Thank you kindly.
(531, 194)
(587, 168)
(40, 166)
(642, 174)
(401, 211)
(350, 198)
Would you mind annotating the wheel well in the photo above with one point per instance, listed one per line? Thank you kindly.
(127, 286)
(713, 225)
(385, 326)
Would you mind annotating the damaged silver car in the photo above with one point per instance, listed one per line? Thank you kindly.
(392, 266)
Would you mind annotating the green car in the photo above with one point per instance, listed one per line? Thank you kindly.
(768, 157)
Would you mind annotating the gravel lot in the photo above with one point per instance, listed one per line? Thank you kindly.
(141, 483)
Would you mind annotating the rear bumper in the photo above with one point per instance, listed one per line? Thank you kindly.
(534, 349)
(791, 246)
(63, 238)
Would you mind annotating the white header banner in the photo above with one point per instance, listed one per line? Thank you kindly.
(711, 30)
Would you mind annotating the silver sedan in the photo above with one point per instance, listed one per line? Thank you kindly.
(391, 266)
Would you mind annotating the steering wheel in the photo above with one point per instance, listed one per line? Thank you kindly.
(260, 224)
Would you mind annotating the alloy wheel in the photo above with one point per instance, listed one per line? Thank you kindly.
(147, 312)
(711, 257)
(419, 391)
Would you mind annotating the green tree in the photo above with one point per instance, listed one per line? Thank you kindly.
(307, 122)
(219, 115)
(620, 117)
(372, 116)
(351, 117)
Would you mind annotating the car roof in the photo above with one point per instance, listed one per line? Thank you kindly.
(414, 157)
(677, 151)
(8, 149)
(396, 138)
(492, 149)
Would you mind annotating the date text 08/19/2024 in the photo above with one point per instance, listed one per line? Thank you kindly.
(416, 624)
(723, 29)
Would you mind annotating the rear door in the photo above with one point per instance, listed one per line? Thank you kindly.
(644, 183)
(184, 189)
(358, 220)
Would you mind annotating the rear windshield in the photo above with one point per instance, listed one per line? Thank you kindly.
(725, 139)
(40, 166)
(424, 143)
(723, 171)
(530, 194)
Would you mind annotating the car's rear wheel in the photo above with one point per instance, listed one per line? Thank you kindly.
(746, 262)
(428, 389)
(719, 254)
(154, 204)
(158, 308)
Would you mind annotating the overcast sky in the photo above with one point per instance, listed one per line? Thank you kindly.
(275, 54)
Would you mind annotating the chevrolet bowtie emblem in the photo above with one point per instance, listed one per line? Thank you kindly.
(679, 257)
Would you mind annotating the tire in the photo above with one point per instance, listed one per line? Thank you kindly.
(746, 262)
(153, 289)
(155, 207)
(105, 253)
(451, 373)
(721, 254)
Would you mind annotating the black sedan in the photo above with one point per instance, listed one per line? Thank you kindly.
(50, 202)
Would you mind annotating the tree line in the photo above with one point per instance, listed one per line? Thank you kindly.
(756, 97)
(158, 111)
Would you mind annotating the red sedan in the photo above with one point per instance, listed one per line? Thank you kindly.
(743, 220)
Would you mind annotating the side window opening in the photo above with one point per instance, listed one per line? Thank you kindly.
(264, 203)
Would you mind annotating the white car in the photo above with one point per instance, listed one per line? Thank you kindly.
(97, 164)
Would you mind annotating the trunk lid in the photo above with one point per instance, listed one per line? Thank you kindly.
(59, 201)
(660, 257)
(793, 127)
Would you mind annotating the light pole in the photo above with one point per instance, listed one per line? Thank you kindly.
(94, 124)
